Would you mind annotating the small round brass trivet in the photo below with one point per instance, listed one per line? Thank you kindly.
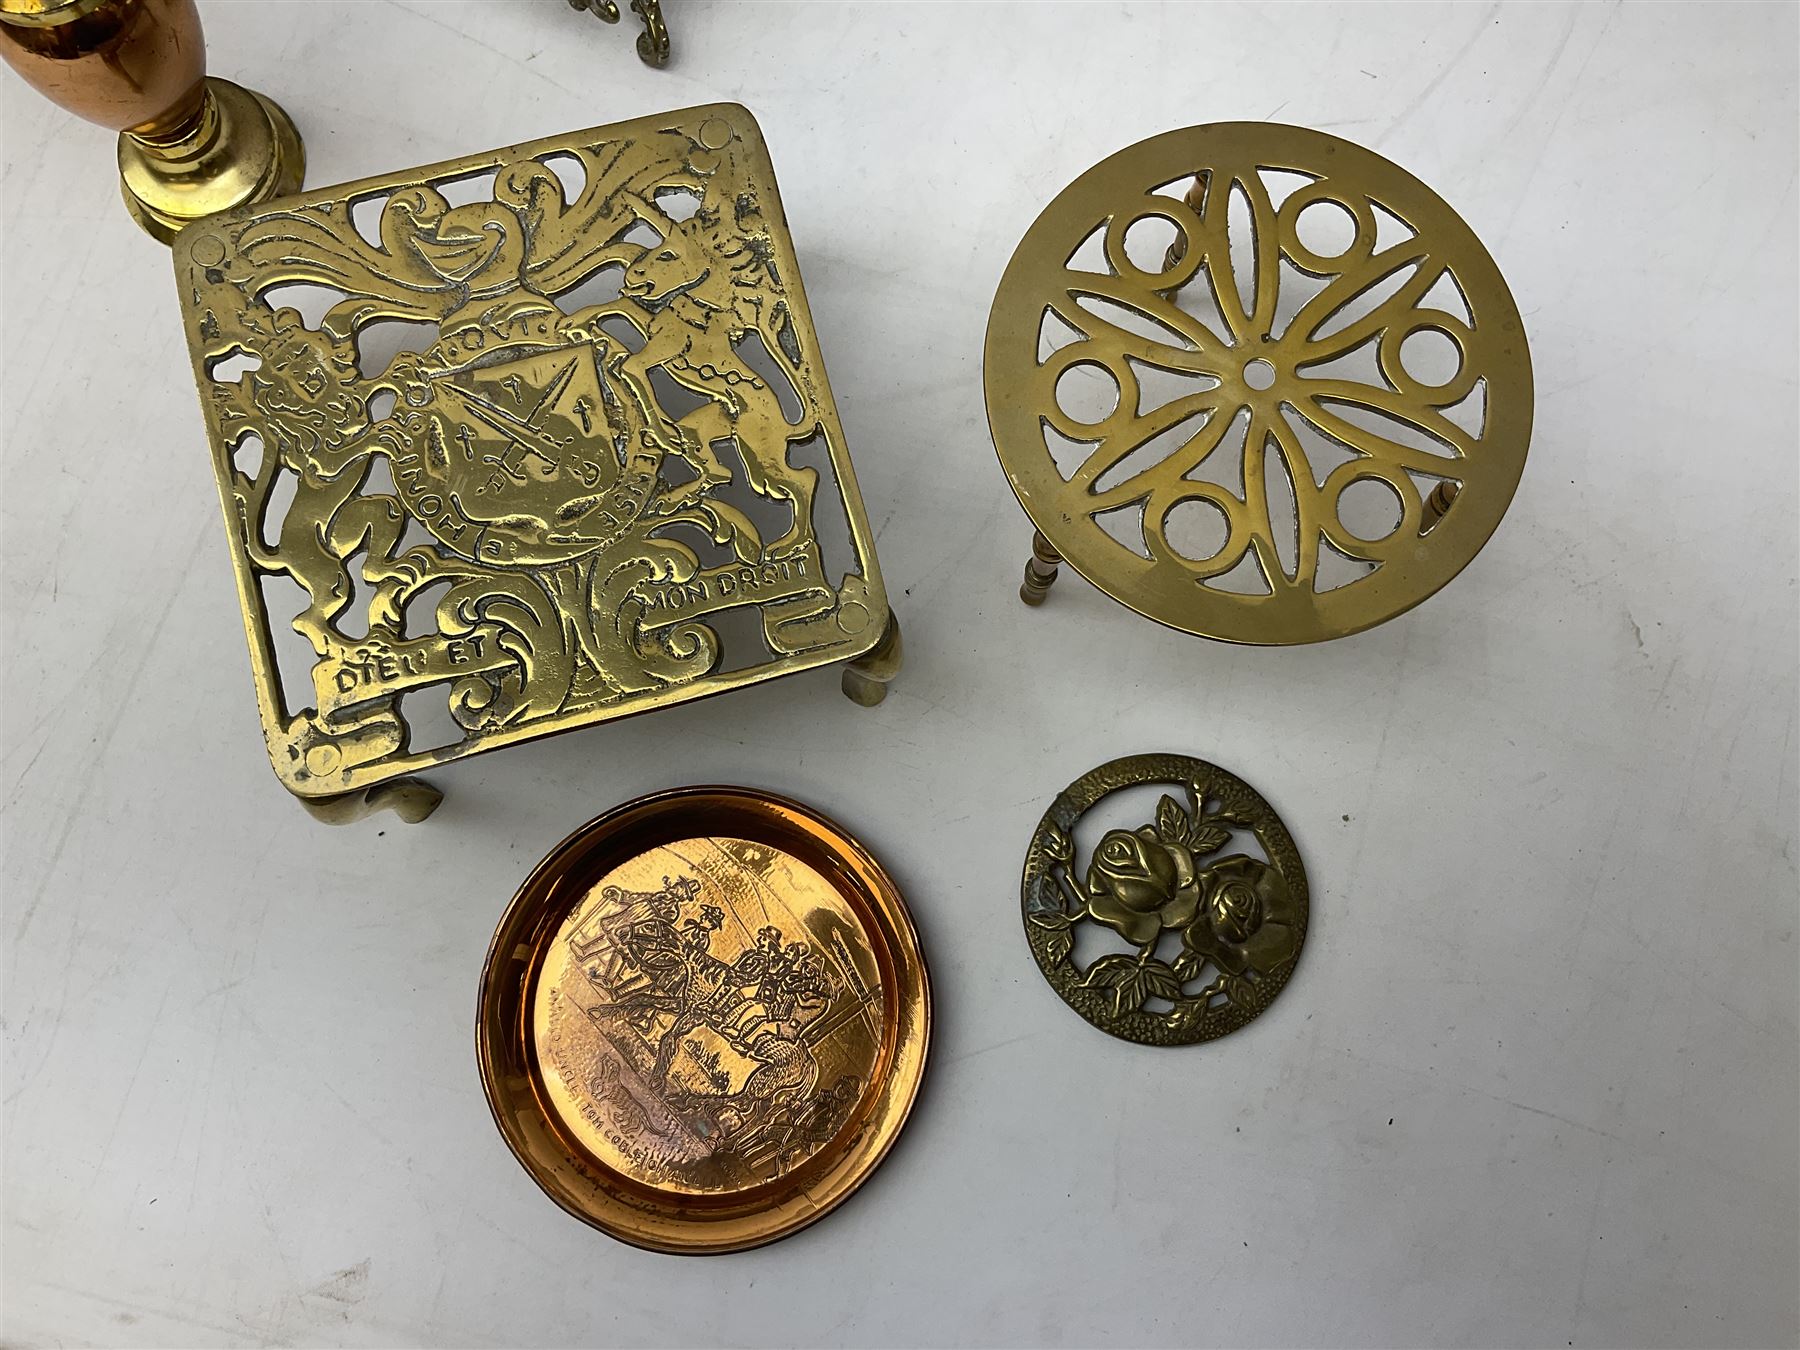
(703, 1020)
(1203, 931)
(1256, 383)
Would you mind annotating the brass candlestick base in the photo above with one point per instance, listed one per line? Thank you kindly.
(189, 146)
(240, 149)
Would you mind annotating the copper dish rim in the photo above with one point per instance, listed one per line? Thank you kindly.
(621, 1206)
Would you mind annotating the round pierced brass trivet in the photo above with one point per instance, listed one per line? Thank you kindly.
(1256, 383)
(1206, 932)
(703, 1020)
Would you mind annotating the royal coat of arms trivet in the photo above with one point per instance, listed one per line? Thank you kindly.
(524, 442)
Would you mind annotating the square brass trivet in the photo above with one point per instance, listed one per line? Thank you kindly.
(575, 491)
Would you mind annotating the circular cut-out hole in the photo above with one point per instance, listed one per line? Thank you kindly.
(1259, 374)
(1147, 243)
(1325, 229)
(1370, 509)
(1196, 529)
(1087, 393)
(1431, 357)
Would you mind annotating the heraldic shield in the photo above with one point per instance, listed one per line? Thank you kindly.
(543, 435)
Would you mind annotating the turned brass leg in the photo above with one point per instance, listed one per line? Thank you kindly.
(1196, 200)
(412, 799)
(1438, 503)
(866, 679)
(1040, 571)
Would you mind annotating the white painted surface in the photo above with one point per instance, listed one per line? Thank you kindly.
(1535, 1082)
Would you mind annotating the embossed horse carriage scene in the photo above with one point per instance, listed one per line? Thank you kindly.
(715, 1046)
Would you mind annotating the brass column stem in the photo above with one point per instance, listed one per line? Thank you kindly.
(189, 145)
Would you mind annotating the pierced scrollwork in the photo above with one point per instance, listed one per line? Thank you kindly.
(540, 513)
(653, 42)
(1213, 932)
(1173, 339)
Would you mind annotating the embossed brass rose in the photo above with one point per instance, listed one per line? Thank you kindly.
(1140, 884)
(1241, 919)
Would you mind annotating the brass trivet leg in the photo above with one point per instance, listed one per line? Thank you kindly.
(1438, 502)
(866, 679)
(1040, 571)
(412, 799)
(1196, 201)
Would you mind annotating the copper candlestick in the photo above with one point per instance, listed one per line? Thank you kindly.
(189, 145)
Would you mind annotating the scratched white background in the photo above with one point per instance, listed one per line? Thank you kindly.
(1535, 1081)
